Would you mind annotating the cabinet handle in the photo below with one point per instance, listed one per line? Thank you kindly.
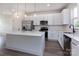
(74, 44)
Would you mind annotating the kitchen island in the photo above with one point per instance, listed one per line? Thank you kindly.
(32, 42)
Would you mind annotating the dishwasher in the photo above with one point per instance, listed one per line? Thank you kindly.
(67, 46)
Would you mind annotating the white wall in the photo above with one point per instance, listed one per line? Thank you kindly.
(78, 10)
(5, 23)
(53, 28)
(72, 5)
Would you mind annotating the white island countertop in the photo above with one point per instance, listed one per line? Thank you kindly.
(74, 36)
(28, 33)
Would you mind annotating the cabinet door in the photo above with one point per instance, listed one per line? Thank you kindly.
(74, 48)
(36, 20)
(57, 19)
(61, 39)
(52, 35)
(49, 35)
(50, 19)
(66, 13)
(42, 17)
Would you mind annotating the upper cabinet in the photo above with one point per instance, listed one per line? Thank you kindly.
(66, 14)
(55, 19)
(36, 20)
(50, 19)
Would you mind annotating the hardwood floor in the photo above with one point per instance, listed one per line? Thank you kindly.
(52, 48)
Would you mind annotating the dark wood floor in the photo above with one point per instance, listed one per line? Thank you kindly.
(52, 48)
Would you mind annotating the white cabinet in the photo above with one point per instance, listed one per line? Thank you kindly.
(55, 19)
(43, 17)
(36, 20)
(50, 20)
(74, 48)
(52, 35)
(61, 39)
(66, 14)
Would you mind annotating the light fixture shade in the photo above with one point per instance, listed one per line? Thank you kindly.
(25, 15)
(17, 16)
(34, 15)
(48, 5)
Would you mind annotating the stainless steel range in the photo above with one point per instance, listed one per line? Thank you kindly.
(45, 29)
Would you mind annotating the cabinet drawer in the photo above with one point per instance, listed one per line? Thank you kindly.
(75, 42)
(74, 48)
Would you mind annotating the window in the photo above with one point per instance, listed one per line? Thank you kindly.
(76, 20)
(75, 12)
(76, 23)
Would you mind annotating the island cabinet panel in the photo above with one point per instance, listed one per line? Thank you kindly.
(28, 43)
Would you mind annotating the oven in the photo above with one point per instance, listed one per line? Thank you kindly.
(45, 29)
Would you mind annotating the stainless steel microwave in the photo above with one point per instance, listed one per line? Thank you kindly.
(43, 22)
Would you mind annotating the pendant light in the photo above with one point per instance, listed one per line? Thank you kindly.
(35, 10)
(25, 15)
(17, 12)
(48, 5)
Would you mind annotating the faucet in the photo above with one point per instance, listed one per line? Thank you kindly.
(72, 27)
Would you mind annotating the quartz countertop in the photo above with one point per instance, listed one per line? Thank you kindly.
(74, 36)
(28, 33)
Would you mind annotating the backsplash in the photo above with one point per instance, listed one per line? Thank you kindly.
(53, 28)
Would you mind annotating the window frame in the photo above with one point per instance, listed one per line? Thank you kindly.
(75, 9)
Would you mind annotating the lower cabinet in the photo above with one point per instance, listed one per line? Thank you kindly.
(56, 36)
(61, 39)
(52, 35)
(74, 48)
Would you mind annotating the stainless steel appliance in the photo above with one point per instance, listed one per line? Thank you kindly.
(27, 25)
(45, 29)
(43, 22)
(67, 46)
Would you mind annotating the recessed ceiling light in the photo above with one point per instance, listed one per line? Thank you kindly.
(34, 15)
(25, 15)
(17, 16)
(48, 5)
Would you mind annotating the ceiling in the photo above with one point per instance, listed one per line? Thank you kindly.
(8, 8)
